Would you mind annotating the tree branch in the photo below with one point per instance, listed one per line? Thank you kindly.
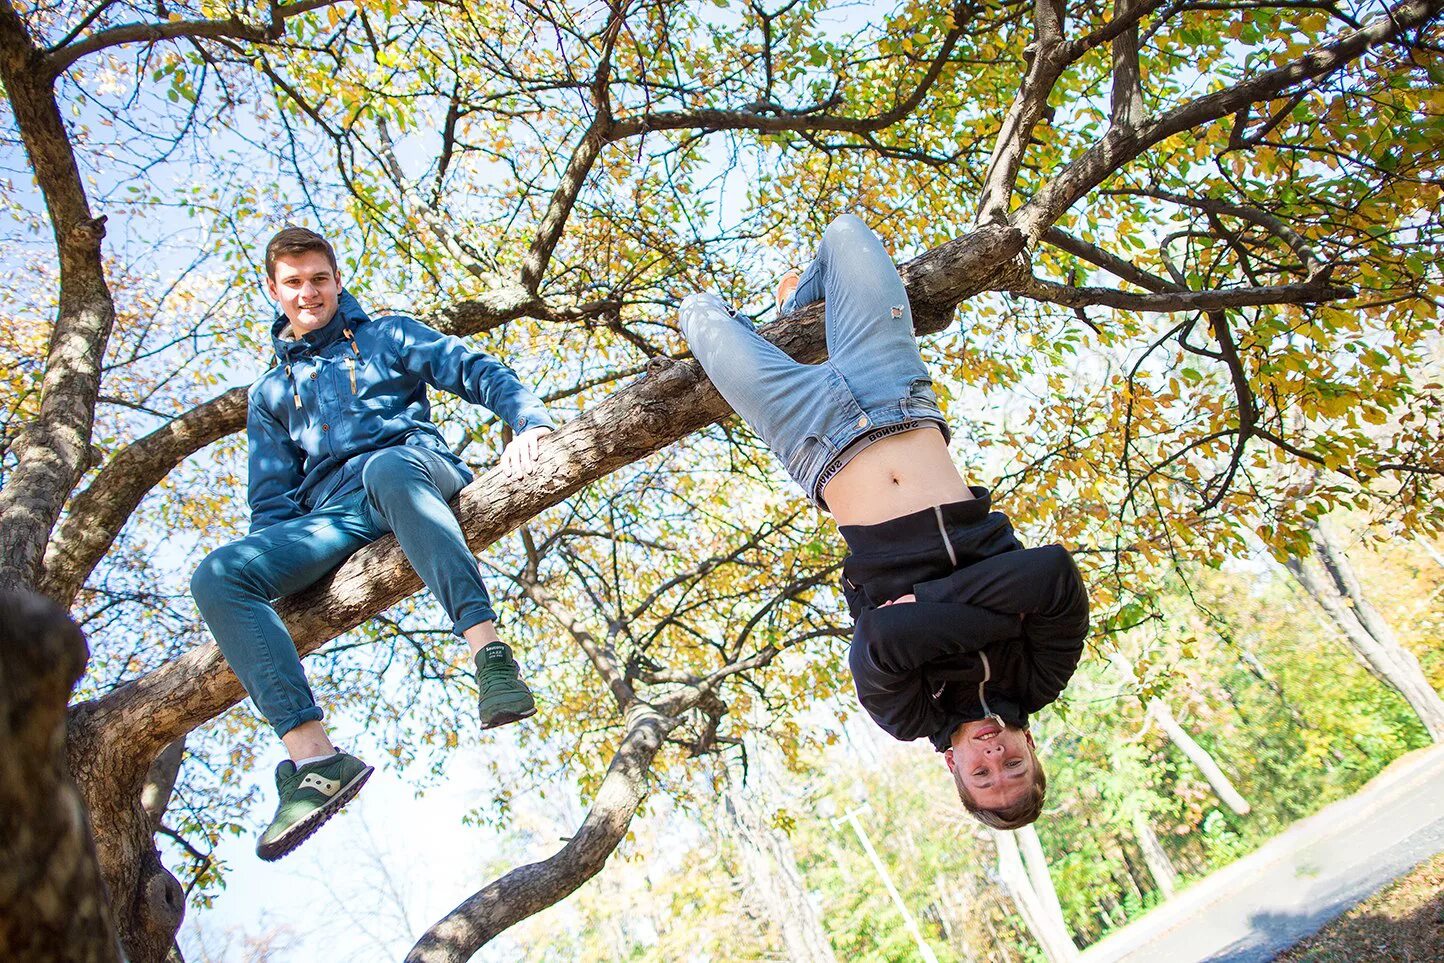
(58, 59)
(1082, 297)
(529, 889)
(1121, 145)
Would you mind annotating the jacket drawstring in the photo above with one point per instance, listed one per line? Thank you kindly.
(352, 362)
(982, 696)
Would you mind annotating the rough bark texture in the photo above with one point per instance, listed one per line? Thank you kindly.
(95, 516)
(52, 900)
(1331, 583)
(1199, 756)
(53, 450)
(530, 889)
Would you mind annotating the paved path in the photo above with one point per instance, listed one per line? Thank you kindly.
(1300, 880)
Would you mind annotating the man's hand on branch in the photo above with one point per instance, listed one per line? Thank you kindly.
(520, 456)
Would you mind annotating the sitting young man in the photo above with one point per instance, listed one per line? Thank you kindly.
(960, 632)
(342, 451)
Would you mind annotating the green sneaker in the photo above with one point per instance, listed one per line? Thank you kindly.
(310, 796)
(504, 697)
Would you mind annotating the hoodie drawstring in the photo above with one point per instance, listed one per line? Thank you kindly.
(982, 697)
(351, 364)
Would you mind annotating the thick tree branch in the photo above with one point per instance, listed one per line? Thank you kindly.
(95, 516)
(53, 450)
(1127, 105)
(1046, 60)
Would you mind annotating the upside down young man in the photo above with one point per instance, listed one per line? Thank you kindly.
(342, 451)
(960, 632)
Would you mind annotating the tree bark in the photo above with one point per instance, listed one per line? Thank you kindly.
(52, 899)
(1199, 756)
(1331, 583)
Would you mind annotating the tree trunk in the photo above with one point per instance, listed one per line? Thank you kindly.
(52, 900)
(1336, 590)
(1035, 861)
(1055, 942)
(53, 450)
(1159, 865)
(1199, 756)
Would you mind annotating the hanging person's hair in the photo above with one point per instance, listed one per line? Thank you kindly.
(1020, 813)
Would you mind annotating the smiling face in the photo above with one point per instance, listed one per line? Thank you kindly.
(993, 765)
(307, 287)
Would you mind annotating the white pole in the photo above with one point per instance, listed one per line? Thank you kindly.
(925, 951)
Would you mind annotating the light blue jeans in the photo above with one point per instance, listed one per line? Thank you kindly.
(874, 378)
(404, 490)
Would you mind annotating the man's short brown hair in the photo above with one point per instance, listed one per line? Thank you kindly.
(290, 241)
(1018, 815)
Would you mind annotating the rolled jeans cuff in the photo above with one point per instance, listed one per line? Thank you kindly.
(473, 614)
(285, 724)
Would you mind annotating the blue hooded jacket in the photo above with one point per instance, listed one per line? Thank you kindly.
(340, 394)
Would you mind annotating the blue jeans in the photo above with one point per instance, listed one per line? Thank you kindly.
(874, 378)
(405, 490)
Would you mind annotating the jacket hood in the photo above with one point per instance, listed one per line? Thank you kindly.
(348, 315)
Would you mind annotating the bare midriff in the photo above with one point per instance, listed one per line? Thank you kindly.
(895, 476)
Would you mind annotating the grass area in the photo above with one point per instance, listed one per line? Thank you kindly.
(1403, 922)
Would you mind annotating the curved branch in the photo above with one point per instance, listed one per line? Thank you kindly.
(95, 516)
(58, 59)
(529, 889)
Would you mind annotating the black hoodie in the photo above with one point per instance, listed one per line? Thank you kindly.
(997, 629)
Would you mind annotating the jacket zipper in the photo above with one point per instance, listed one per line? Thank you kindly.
(943, 531)
(351, 367)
